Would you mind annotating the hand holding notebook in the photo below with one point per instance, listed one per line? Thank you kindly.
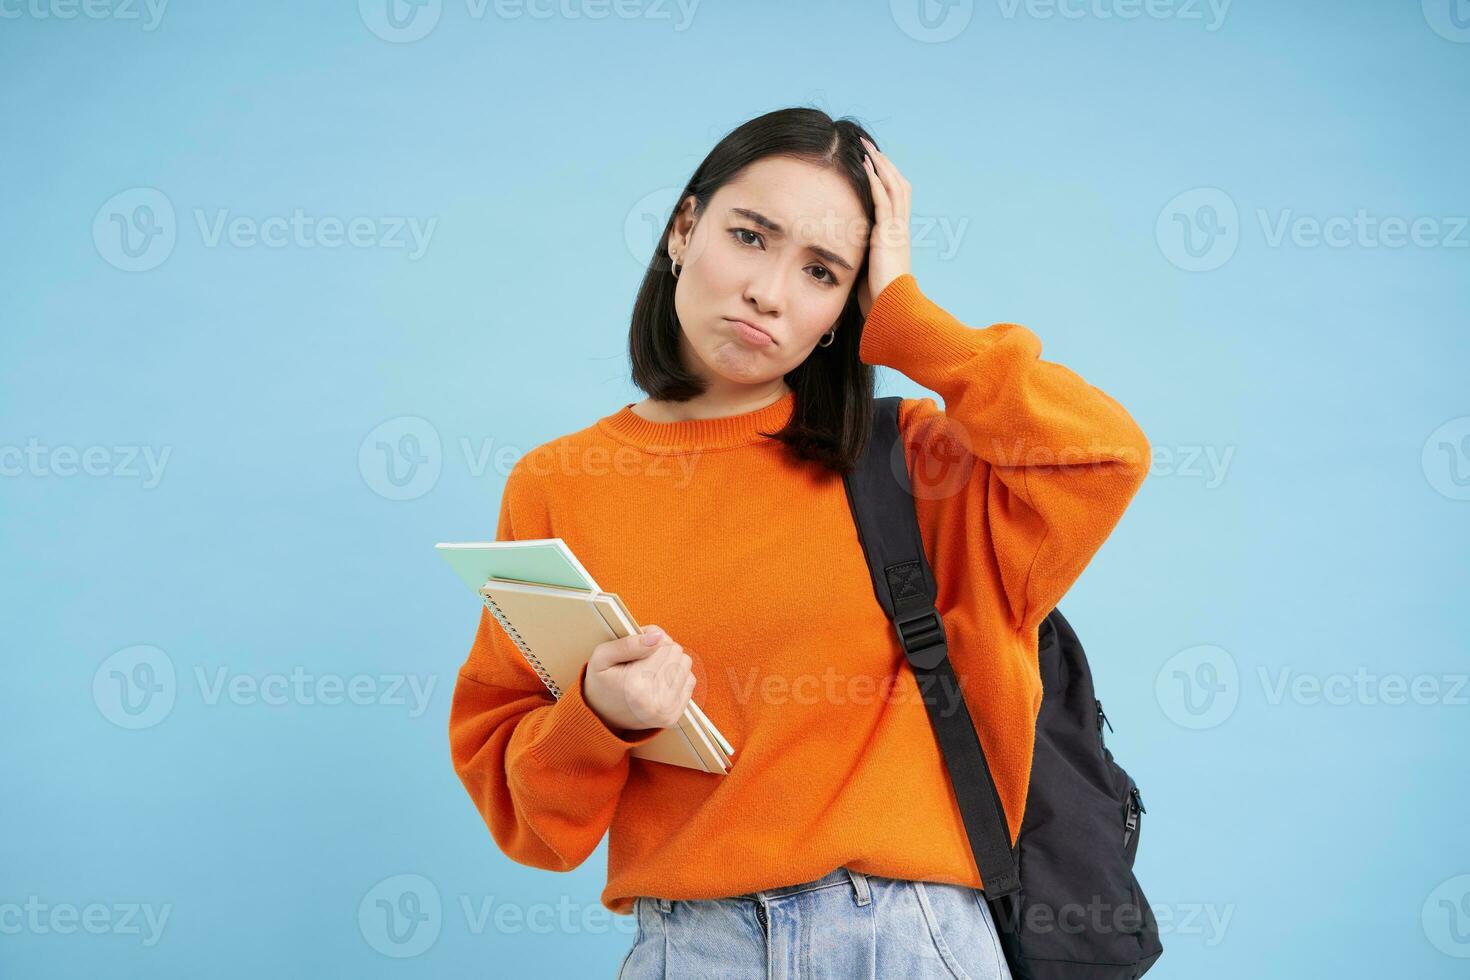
(639, 681)
(556, 615)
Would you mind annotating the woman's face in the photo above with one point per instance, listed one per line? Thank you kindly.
(779, 247)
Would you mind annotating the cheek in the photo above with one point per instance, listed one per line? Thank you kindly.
(817, 314)
(721, 271)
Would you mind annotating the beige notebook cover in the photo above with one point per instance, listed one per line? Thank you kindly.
(556, 628)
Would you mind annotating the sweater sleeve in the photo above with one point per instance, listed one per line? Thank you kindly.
(1027, 469)
(545, 773)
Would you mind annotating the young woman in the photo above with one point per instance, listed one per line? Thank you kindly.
(716, 508)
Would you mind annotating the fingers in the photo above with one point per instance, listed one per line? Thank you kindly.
(881, 204)
(633, 647)
(671, 664)
(893, 180)
(663, 656)
(894, 186)
(668, 684)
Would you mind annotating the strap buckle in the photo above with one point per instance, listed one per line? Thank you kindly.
(923, 639)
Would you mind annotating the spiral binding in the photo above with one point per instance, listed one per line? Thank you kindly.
(515, 637)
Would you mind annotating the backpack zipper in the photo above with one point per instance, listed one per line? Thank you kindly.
(1130, 821)
(1102, 719)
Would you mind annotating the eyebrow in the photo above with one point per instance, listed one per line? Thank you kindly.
(772, 226)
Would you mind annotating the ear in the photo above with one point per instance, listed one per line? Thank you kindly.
(683, 223)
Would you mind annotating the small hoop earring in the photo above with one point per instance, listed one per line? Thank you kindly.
(827, 338)
(674, 267)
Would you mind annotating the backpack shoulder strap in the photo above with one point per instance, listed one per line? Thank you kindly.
(880, 496)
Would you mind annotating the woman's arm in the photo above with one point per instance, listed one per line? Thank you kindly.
(545, 773)
(1027, 463)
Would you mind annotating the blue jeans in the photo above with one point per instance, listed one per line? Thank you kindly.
(845, 925)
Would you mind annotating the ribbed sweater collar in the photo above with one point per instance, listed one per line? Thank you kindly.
(698, 434)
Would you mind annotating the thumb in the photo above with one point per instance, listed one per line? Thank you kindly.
(636, 646)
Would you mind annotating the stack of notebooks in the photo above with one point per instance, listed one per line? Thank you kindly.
(555, 614)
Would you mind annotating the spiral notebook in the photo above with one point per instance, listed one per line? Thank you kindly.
(554, 613)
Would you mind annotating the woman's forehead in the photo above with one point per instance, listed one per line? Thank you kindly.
(798, 201)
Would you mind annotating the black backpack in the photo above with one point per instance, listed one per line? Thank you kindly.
(1064, 899)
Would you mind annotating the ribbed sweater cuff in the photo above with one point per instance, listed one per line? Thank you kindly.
(906, 331)
(574, 739)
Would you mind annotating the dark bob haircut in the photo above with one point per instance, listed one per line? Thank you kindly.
(833, 388)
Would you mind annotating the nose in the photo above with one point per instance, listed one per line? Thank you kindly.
(765, 290)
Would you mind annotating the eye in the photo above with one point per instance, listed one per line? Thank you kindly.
(735, 233)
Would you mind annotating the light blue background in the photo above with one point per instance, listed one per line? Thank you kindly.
(1323, 836)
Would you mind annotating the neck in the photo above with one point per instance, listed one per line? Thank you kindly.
(720, 401)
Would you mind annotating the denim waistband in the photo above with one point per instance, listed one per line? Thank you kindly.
(856, 880)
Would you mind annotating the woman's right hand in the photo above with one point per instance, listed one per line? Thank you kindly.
(640, 681)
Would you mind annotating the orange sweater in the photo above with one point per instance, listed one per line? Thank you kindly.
(750, 560)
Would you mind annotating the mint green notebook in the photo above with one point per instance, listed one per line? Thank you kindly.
(542, 561)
